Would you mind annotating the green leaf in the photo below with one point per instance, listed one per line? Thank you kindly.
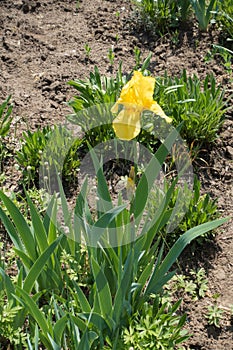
(147, 180)
(84, 304)
(59, 328)
(39, 229)
(100, 226)
(21, 225)
(122, 293)
(11, 230)
(34, 310)
(103, 290)
(10, 289)
(159, 278)
(27, 262)
(105, 201)
(38, 266)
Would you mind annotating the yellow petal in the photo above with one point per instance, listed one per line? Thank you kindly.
(139, 90)
(156, 109)
(114, 108)
(127, 124)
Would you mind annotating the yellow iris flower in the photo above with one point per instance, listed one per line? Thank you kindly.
(136, 96)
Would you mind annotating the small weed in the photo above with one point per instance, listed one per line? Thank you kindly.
(214, 315)
(195, 285)
(111, 56)
(87, 49)
(224, 18)
(137, 56)
(200, 209)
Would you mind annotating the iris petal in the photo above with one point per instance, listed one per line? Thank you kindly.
(127, 124)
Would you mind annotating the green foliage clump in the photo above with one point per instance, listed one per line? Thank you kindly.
(9, 334)
(157, 328)
(224, 16)
(199, 210)
(5, 123)
(94, 100)
(194, 284)
(157, 16)
(203, 10)
(56, 146)
(214, 315)
(161, 16)
(91, 107)
(200, 106)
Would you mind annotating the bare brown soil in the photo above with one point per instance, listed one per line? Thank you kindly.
(42, 47)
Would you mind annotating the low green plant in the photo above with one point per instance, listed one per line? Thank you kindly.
(203, 11)
(226, 55)
(157, 327)
(214, 315)
(5, 123)
(199, 105)
(158, 16)
(95, 97)
(39, 197)
(51, 145)
(224, 17)
(184, 8)
(29, 156)
(111, 56)
(8, 332)
(195, 284)
(87, 49)
(201, 209)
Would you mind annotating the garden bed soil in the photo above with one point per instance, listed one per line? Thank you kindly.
(43, 47)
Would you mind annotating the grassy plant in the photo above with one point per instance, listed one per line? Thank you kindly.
(226, 55)
(95, 96)
(184, 8)
(224, 14)
(199, 105)
(158, 16)
(111, 56)
(203, 11)
(87, 49)
(52, 146)
(201, 209)
(5, 122)
(29, 156)
(92, 105)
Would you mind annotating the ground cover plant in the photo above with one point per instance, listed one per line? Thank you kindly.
(95, 265)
